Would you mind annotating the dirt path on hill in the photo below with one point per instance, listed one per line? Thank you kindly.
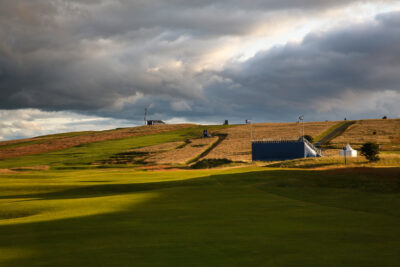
(221, 137)
(336, 132)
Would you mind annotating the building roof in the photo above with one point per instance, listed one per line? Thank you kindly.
(348, 148)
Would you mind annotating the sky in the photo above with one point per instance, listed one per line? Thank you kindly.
(69, 65)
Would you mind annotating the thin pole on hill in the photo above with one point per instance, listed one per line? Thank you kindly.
(251, 131)
(301, 118)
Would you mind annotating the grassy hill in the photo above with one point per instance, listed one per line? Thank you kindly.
(42, 144)
(124, 147)
(85, 154)
(384, 132)
(128, 197)
(235, 217)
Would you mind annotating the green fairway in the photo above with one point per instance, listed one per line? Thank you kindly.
(234, 217)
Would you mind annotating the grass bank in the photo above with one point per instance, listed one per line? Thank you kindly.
(235, 217)
(386, 160)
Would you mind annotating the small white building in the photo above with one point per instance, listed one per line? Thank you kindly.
(347, 151)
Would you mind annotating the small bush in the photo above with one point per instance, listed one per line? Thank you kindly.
(210, 163)
(309, 138)
(370, 151)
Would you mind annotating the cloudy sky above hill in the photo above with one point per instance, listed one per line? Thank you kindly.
(96, 64)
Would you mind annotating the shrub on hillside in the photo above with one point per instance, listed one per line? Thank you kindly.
(370, 151)
(210, 163)
(308, 138)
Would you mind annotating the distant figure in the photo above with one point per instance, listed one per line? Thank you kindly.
(248, 121)
(206, 134)
(226, 122)
(345, 119)
(384, 118)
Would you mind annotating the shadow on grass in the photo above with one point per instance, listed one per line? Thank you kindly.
(303, 165)
(219, 220)
(310, 163)
(383, 180)
(108, 190)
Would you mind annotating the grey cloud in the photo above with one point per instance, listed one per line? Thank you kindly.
(200, 18)
(338, 69)
(24, 123)
(113, 58)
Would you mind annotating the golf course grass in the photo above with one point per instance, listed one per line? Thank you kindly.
(249, 216)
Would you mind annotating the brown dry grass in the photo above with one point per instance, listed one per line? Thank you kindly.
(387, 134)
(6, 171)
(184, 154)
(386, 160)
(53, 143)
(237, 145)
(159, 148)
(330, 152)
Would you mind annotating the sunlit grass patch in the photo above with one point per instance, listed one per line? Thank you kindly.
(58, 205)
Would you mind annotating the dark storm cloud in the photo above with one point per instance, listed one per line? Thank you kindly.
(326, 72)
(115, 57)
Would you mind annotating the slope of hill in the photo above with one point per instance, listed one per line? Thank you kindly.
(333, 132)
(384, 132)
(156, 145)
(96, 203)
(90, 154)
(56, 142)
(237, 145)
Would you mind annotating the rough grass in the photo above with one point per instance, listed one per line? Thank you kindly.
(235, 217)
(386, 160)
(67, 140)
(41, 139)
(383, 132)
(183, 154)
(237, 145)
(161, 147)
(209, 148)
(84, 155)
(210, 163)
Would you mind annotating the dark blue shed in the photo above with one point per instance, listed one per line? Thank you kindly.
(282, 150)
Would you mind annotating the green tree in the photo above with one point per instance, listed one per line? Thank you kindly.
(309, 138)
(370, 151)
